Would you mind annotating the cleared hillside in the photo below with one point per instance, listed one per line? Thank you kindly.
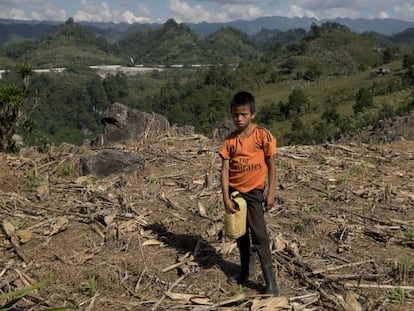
(341, 234)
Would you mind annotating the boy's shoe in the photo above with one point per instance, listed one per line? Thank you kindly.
(243, 276)
(271, 285)
(239, 278)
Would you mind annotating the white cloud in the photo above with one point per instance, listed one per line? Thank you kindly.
(405, 11)
(50, 12)
(202, 10)
(295, 10)
(30, 9)
(93, 11)
(335, 4)
(182, 12)
(325, 9)
(18, 2)
(13, 9)
(382, 14)
(129, 17)
(13, 14)
(234, 1)
(247, 12)
(101, 12)
(144, 11)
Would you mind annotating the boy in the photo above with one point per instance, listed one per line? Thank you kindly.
(247, 157)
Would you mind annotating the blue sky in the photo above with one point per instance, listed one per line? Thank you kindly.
(196, 11)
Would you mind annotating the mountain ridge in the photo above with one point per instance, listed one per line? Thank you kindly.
(386, 26)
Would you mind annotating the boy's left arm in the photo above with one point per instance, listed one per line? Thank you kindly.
(271, 175)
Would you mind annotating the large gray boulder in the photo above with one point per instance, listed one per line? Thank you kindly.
(107, 162)
(124, 124)
(222, 129)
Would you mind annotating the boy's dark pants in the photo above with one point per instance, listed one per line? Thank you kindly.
(260, 241)
(257, 226)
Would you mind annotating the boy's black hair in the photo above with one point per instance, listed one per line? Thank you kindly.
(243, 98)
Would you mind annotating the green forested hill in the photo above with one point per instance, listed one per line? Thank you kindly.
(269, 40)
(338, 53)
(405, 38)
(70, 45)
(10, 32)
(174, 43)
(229, 45)
(331, 49)
(309, 85)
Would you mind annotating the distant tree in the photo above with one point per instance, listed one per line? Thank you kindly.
(297, 125)
(16, 107)
(97, 95)
(408, 60)
(312, 73)
(116, 87)
(389, 54)
(386, 56)
(169, 96)
(409, 75)
(289, 65)
(408, 64)
(333, 26)
(299, 134)
(15, 50)
(70, 22)
(331, 116)
(219, 76)
(386, 111)
(363, 100)
(297, 103)
(314, 32)
(270, 113)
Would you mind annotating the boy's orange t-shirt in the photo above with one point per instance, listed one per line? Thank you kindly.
(248, 167)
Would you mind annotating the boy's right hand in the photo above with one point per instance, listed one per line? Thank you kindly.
(230, 206)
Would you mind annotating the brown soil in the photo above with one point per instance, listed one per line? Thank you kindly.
(346, 210)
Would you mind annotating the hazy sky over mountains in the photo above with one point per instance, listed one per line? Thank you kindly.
(195, 11)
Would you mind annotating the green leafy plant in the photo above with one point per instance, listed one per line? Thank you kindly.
(298, 227)
(313, 209)
(407, 264)
(211, 209)
(66, 169)
(398, 295)
(328, 196)
(91, 286)
(344, 180)
(358, 170)
(16, 106)
(409, 232)
(236, 291)
(151, 179)
(281, 164)
(32, 180)
(16, 223)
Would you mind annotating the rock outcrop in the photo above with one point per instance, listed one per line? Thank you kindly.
(123, 124)
(109, 162)
(222, 129)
